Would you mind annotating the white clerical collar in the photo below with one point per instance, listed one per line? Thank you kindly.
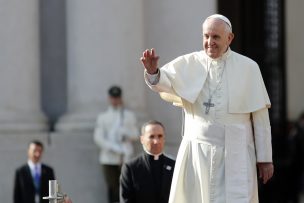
(219, 59)
(156, 156)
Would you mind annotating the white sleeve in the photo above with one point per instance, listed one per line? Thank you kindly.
(159, 82)
(262, 135)
(152, 79)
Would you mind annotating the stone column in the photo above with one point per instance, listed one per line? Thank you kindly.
(104, 42)
(294, 59)
(19, 67)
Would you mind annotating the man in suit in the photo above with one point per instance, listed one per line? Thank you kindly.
(147, 178)
(31, 179)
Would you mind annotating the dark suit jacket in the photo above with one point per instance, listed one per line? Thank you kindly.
(138, 185)
(24, 189)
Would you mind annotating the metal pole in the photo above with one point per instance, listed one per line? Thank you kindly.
(54, 195)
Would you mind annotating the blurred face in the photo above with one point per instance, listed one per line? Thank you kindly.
(216, 37)
(35, 153)
(153, 139)
(115, 101)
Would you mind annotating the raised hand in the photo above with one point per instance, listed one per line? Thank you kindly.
(150, 61)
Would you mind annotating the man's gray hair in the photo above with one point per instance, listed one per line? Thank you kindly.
(151, 122)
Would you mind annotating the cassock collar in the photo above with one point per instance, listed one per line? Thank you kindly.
(155, 156)
(218, 60)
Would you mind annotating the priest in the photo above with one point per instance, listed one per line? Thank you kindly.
(226, 129)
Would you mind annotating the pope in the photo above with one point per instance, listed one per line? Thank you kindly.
(227, 130)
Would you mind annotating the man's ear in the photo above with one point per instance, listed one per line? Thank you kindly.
(230, 38)
(141, 139)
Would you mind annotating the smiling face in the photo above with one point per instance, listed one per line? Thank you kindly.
(216, 37)
(153, 138)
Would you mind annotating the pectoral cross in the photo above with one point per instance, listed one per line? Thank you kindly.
(208, 105)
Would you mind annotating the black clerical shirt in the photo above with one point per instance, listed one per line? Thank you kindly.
(146, 179)
(156, 166)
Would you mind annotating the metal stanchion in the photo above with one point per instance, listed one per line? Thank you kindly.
(54, 193)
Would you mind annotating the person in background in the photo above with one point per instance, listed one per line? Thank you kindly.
(32, 178)
(114, 133)
(147, 178)
(295, 167)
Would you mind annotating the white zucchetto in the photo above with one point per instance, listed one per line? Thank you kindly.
(221, 17)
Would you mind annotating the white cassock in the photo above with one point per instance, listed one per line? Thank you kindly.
(216, 161)
(114, 130)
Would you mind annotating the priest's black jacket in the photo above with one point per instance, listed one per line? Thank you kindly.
(147, 180)
(24, 189)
